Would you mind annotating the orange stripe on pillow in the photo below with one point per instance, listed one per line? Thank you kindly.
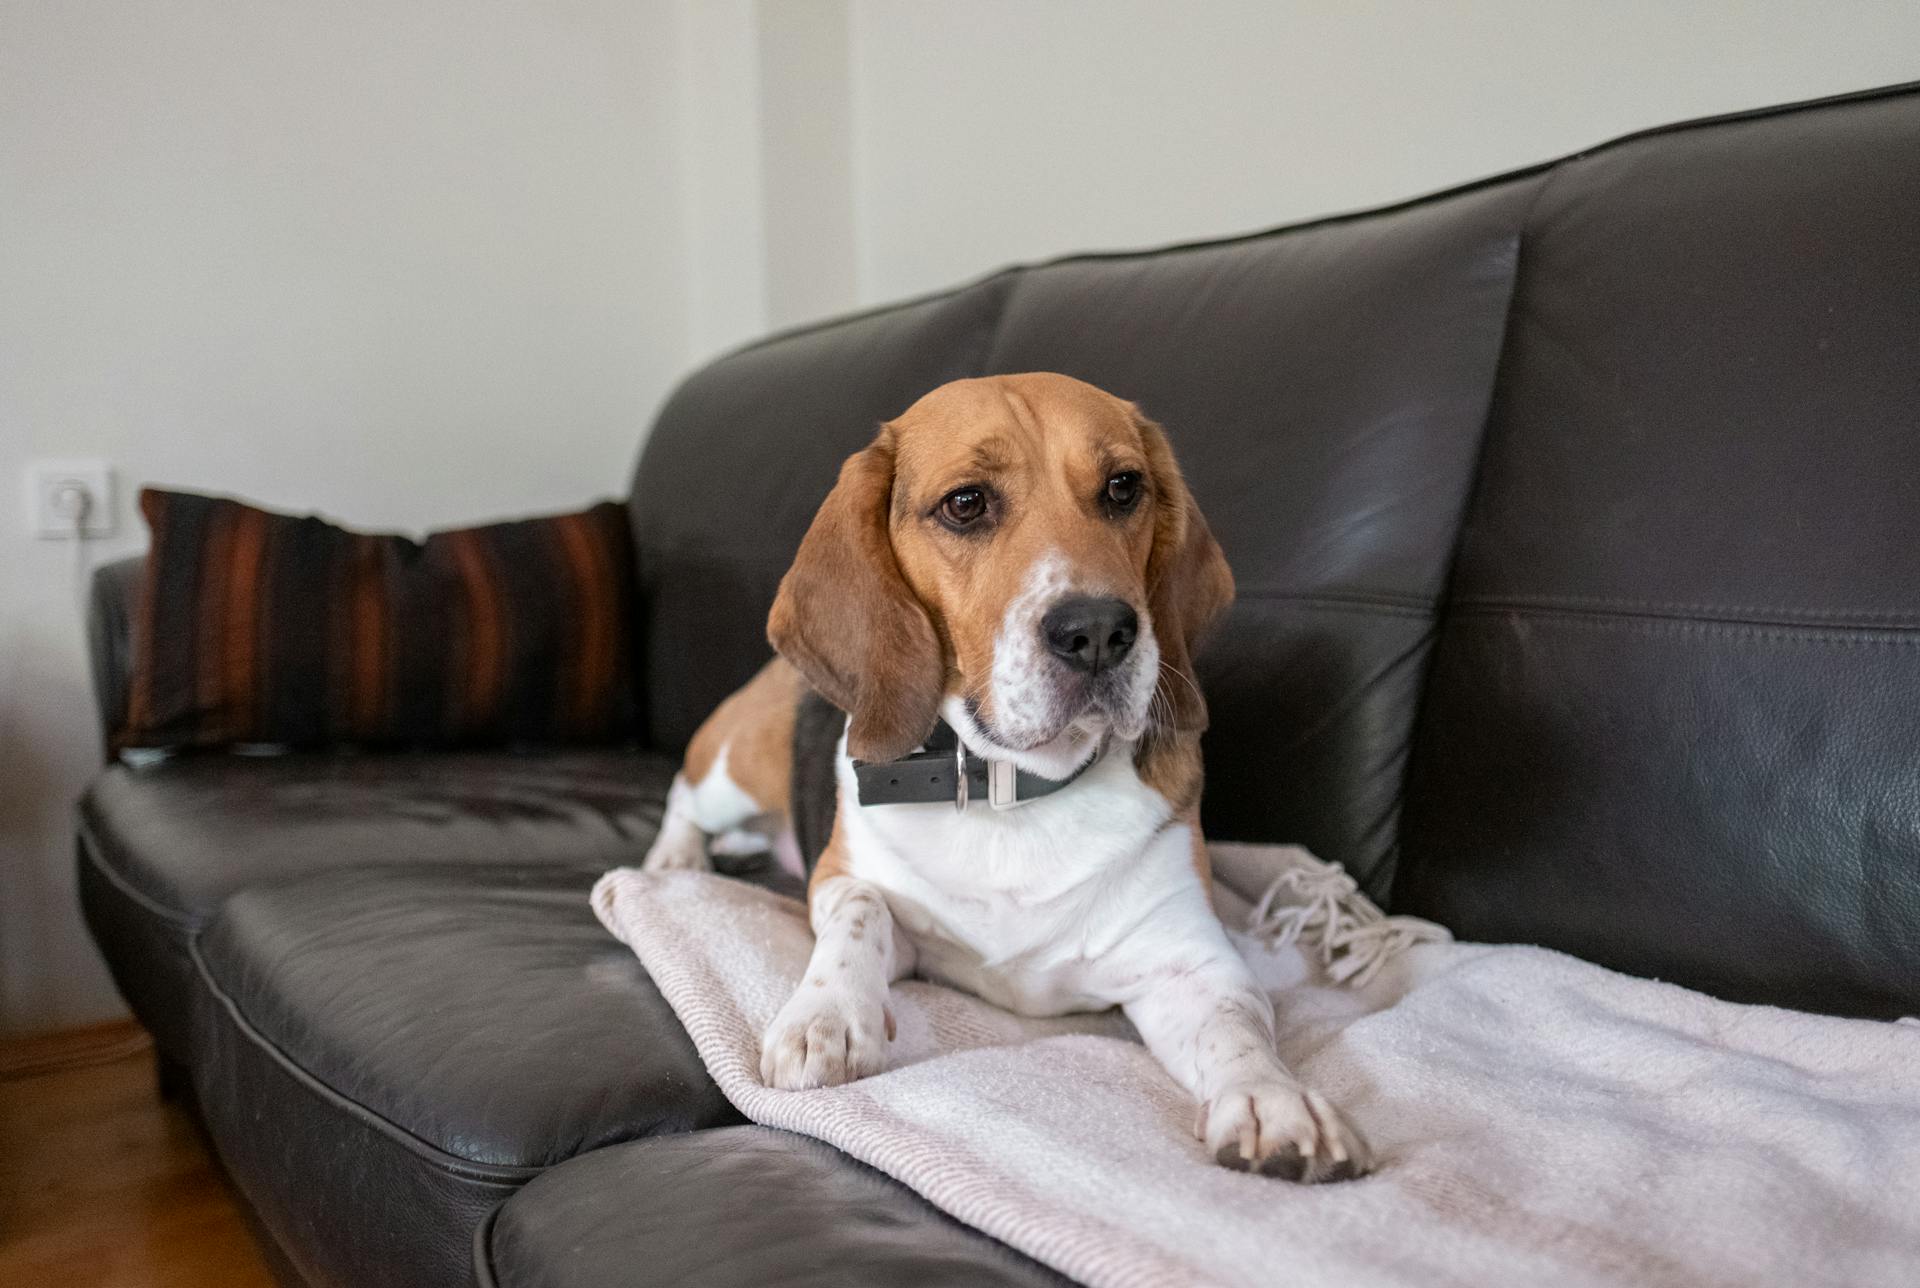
(480, 688)
(211, 599)
(242, 682)
(139, 714)
(370, 671)
(592, 663)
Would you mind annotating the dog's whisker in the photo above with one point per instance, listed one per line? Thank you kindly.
(1160, 712)
(1182, 677)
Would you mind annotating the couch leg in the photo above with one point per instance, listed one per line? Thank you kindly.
(171, 1080)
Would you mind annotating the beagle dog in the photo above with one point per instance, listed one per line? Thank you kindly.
(1002, 594)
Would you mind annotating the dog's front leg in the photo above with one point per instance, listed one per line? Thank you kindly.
(836, 1026)
(1211, 1025)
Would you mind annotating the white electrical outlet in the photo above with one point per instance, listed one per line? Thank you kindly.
(65, 495)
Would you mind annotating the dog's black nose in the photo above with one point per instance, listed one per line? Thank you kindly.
(1090, 634)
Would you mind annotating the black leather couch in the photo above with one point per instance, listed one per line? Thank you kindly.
(1576, 517)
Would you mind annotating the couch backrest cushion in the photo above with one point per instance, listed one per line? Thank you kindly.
(1674, 723)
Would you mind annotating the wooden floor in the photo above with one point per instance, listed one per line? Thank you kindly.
(101, 1183)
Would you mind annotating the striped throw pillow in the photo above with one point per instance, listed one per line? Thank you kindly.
(257, 627)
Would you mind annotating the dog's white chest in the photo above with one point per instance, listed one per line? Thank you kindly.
(1025, 907)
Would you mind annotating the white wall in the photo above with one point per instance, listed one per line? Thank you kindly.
(413, 262)
(408, 263)
(1001, 130)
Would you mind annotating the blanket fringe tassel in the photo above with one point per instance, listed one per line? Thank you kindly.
(1338, 925)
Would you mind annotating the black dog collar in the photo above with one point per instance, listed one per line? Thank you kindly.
(944, 770)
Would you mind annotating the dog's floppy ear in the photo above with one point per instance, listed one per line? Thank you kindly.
(848, 622)
(1188, 583)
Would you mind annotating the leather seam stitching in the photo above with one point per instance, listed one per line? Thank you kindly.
(991, 350)
(1646, 624)
(990, 341)
(1345, 603)
(1716, 612)
(426, 1150)
(1380, 883)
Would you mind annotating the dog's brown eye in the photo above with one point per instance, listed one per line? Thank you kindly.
(963, 506)
(1123, 489)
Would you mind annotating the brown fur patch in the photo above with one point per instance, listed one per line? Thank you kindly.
(1188, 583)
(755, 728)
(1170, 763)
(833, 860)
(850, 625)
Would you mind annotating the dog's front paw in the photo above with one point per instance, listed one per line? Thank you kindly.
(824, 1037)
(1282, 1129)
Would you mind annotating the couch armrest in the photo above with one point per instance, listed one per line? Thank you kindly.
(111, 605)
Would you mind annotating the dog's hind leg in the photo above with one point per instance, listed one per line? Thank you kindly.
(682, 841)
(731, 794)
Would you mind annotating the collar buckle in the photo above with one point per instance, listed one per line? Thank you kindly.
(1003, 785)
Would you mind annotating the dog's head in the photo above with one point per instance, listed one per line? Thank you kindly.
(1018, 554)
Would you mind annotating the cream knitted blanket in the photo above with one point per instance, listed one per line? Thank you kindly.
(1538, 1120)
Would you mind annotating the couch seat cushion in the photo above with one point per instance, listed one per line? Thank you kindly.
(392, 1050)
(183, 834)
(738, 1206)
(486, 1014)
